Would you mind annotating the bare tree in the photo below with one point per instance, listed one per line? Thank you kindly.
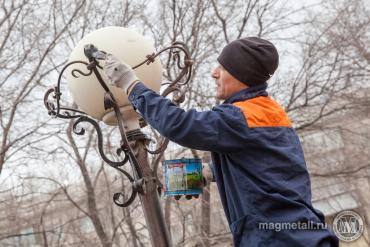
(23, 70)
(324, 65)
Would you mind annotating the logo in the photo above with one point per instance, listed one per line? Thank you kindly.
(348, 226)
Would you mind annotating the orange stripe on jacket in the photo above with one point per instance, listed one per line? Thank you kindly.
(263, 112)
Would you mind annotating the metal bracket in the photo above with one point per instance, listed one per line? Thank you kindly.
(178, 86)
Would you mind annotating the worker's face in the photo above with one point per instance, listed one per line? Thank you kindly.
(226, 83)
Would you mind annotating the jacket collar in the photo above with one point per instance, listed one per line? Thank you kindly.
(248, 93)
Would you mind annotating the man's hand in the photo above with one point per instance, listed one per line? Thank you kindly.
(207, 174)
(119, 74)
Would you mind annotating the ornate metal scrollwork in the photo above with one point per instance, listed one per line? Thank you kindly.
(179, 55)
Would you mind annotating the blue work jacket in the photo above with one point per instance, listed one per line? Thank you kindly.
(258, 162)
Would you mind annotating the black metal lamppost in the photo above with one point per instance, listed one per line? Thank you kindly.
(133, 145)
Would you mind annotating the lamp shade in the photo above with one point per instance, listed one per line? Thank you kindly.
(128, 46)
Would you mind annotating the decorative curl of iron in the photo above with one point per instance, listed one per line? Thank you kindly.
(178, 55)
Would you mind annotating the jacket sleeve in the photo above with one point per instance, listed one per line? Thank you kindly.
(221, 129)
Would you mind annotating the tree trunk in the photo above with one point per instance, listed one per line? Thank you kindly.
(167, 215)
(131, 226)
(205, 226)
(91, 201)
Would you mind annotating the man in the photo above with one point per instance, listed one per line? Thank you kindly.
(258, 160)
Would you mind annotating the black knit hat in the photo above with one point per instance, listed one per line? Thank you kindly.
(250, 60)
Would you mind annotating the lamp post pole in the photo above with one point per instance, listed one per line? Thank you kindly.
(152, 209)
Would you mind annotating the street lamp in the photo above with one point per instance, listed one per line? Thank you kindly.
(98, 100)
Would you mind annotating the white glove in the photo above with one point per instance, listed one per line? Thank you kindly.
(119, 74)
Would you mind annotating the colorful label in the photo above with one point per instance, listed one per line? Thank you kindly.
(183, 177)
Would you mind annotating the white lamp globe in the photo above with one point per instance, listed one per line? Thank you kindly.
(128, 46)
